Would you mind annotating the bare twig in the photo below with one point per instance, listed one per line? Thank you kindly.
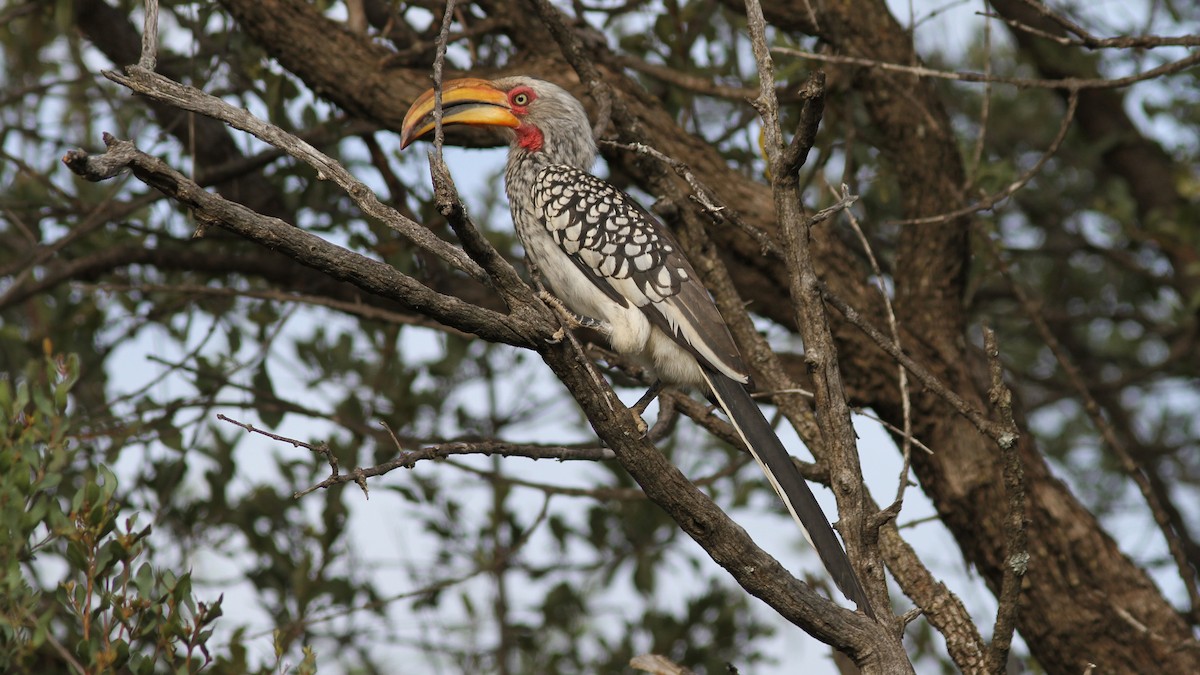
(813, 94)
(573, 50)
(1016, 553)
(438, 62)
(321, 448)
(991, 200)
(985, 107)
(906, 436)
(503, 276)
(844, 201)
(365, 311)
(820, 353)
(1086, 39)
(149, 57)
(524, 329)
(604, 494)
(1091, 42)
(409, 459)
(685, 81)
(1071, 83)
(1004, 437)
(488, 448)
(703, 196)
(162, 89)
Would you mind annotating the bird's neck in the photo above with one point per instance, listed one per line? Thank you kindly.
(534, 148)
(526, 158)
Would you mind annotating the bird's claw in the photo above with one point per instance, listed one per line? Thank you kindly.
(571, 319)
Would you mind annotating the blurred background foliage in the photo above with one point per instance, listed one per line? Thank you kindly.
(136, 519)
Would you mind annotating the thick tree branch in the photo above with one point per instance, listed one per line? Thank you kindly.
(833, 415)
(723, 540)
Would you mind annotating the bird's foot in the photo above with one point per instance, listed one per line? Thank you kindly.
(571, 319)
(638, 409)
(642, 427)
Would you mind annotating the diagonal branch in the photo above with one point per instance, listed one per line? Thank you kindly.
(162, 89)
(523, 330)
(727, 543)
(502, 274)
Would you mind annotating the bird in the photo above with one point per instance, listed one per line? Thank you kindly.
(621, 271)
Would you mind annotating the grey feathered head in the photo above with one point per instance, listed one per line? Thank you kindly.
(546, 121)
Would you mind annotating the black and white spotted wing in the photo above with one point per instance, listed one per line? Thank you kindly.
(632, 258)
(607, 231)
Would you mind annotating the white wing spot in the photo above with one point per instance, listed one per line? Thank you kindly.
(608, 266)
(558, 222)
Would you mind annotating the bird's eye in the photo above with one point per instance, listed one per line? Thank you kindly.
(521, 99)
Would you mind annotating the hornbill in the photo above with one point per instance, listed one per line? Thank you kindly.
(611, 262)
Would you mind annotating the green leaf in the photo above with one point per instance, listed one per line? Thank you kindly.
(144, 580)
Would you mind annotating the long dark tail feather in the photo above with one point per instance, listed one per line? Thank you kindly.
(770, 454)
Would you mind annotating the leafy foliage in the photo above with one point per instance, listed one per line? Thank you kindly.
(110, 609)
